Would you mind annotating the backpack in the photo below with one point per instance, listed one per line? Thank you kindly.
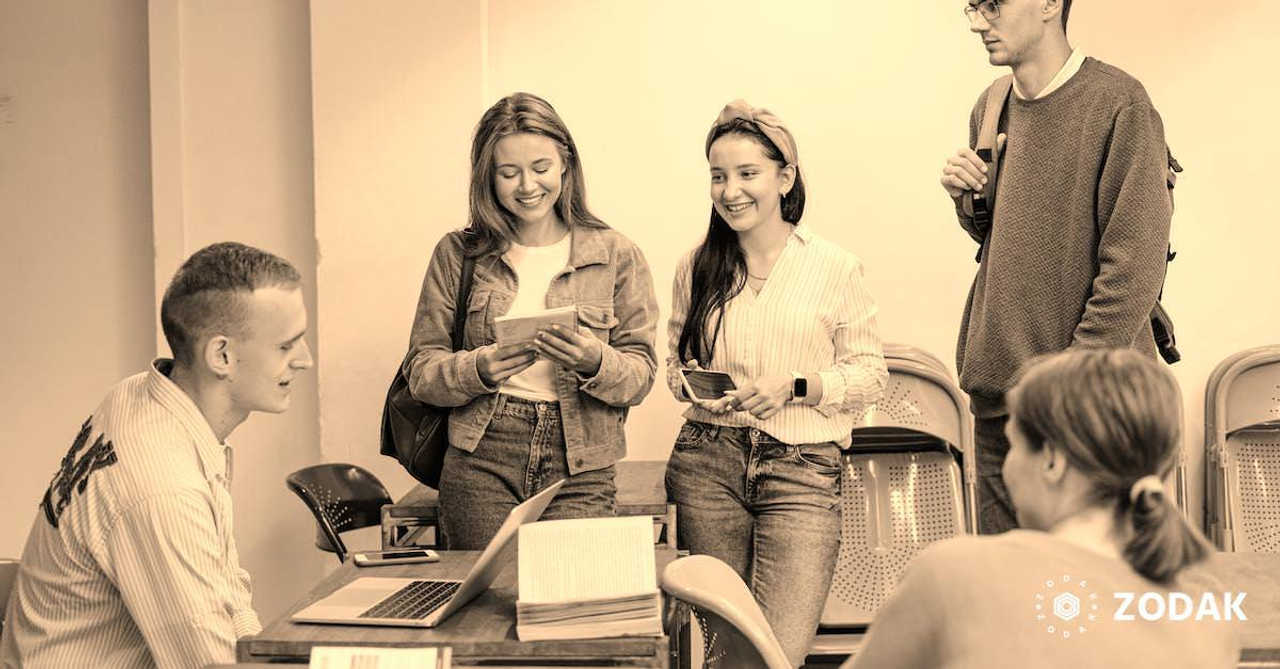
(980, 207)
(415, 433)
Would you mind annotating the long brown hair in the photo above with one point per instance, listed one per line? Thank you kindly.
(1117, 416)
(493, 227)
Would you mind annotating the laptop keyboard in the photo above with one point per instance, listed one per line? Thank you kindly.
(414, 601)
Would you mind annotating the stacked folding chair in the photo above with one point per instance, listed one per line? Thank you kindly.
(908, 481)
(1242, 452)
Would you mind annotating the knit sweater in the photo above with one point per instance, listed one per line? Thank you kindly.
(1076, 255)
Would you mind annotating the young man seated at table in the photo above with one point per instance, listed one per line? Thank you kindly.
(131, 560)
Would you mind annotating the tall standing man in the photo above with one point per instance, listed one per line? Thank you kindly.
(131, 560)
(1075, 254)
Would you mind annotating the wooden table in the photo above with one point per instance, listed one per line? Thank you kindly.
(1256, 574)
(414, 520)
(483, 631)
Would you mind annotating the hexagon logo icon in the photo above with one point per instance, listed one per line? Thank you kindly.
(1066, 606)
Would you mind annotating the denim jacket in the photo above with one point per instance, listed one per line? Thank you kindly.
(609, 281)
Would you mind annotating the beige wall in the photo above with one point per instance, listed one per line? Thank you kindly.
(396, 91)
(230, 91)
(876, 100)
(75, 231)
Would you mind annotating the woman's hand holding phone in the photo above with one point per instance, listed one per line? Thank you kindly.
(764, 396)
(718, 406)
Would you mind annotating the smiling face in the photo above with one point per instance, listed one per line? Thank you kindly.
(746, 185)
(270, 352)
(1016, 34)
(527, 179)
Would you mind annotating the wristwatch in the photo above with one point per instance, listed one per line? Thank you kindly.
(799, 386)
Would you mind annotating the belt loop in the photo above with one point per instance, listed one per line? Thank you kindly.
(499, 404)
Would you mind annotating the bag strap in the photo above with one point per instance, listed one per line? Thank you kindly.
(997, 95)
(981, 206)
(464, 293)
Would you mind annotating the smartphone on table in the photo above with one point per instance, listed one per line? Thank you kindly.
(406, 556)
(706, 385)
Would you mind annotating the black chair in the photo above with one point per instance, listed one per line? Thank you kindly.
(342, 497)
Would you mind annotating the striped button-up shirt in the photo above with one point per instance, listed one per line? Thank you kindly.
(131, 560)
(814, 314)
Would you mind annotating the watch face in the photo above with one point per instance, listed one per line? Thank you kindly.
(800, 387)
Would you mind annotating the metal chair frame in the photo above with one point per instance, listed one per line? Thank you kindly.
(1221, 494)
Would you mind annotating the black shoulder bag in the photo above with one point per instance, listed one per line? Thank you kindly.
(413, 432)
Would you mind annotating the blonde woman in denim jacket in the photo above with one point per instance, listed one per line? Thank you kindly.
(526, 417)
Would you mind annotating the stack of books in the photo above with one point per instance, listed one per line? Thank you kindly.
(587, 578)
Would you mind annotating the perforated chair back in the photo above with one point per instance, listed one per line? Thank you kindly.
(341, 497)
(1242, 452)
(902, 483)
(719, 597)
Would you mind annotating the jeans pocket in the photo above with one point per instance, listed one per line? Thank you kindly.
(692, 433)
(822, 458)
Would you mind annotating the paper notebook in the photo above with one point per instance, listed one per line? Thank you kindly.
(588, 578)
(338, 657)
(509, 330)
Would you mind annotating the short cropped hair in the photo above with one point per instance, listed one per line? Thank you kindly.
(206, 294)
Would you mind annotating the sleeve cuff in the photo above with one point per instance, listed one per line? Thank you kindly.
(833, 391)
(245, 623)
(609, 362)
(469, 374)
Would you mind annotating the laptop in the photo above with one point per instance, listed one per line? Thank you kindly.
(412, 602)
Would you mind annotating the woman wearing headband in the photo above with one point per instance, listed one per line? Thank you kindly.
(1092, 433)
(755, 474)
(528, 415)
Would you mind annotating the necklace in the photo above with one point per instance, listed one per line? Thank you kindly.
(757, 278)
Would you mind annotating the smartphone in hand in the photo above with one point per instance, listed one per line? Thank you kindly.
(407, 556)
(705, 385)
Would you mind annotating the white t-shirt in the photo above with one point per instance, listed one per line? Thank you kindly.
(535, 267)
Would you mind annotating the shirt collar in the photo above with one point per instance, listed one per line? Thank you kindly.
(587, 247)
(215, 458)
(1069, 69)
(802, 232)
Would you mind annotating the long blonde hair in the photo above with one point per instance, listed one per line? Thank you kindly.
(493, 227)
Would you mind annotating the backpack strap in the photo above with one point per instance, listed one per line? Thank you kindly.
(464, 292)
(979, 206)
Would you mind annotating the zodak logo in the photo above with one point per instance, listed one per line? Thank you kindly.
(1067, 606)
(1179, 606)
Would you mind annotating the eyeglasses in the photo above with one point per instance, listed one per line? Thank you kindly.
(990, 10)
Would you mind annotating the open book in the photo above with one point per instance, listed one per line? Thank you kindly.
(523, 329)
(588, 578)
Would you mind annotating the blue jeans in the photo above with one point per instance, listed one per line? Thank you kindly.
(769, 510)
(522, 452)
(995, 508)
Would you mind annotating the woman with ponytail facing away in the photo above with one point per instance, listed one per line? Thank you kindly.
(1092, 435)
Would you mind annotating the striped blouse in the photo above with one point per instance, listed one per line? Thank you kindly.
(814, 314)
(131, 561)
